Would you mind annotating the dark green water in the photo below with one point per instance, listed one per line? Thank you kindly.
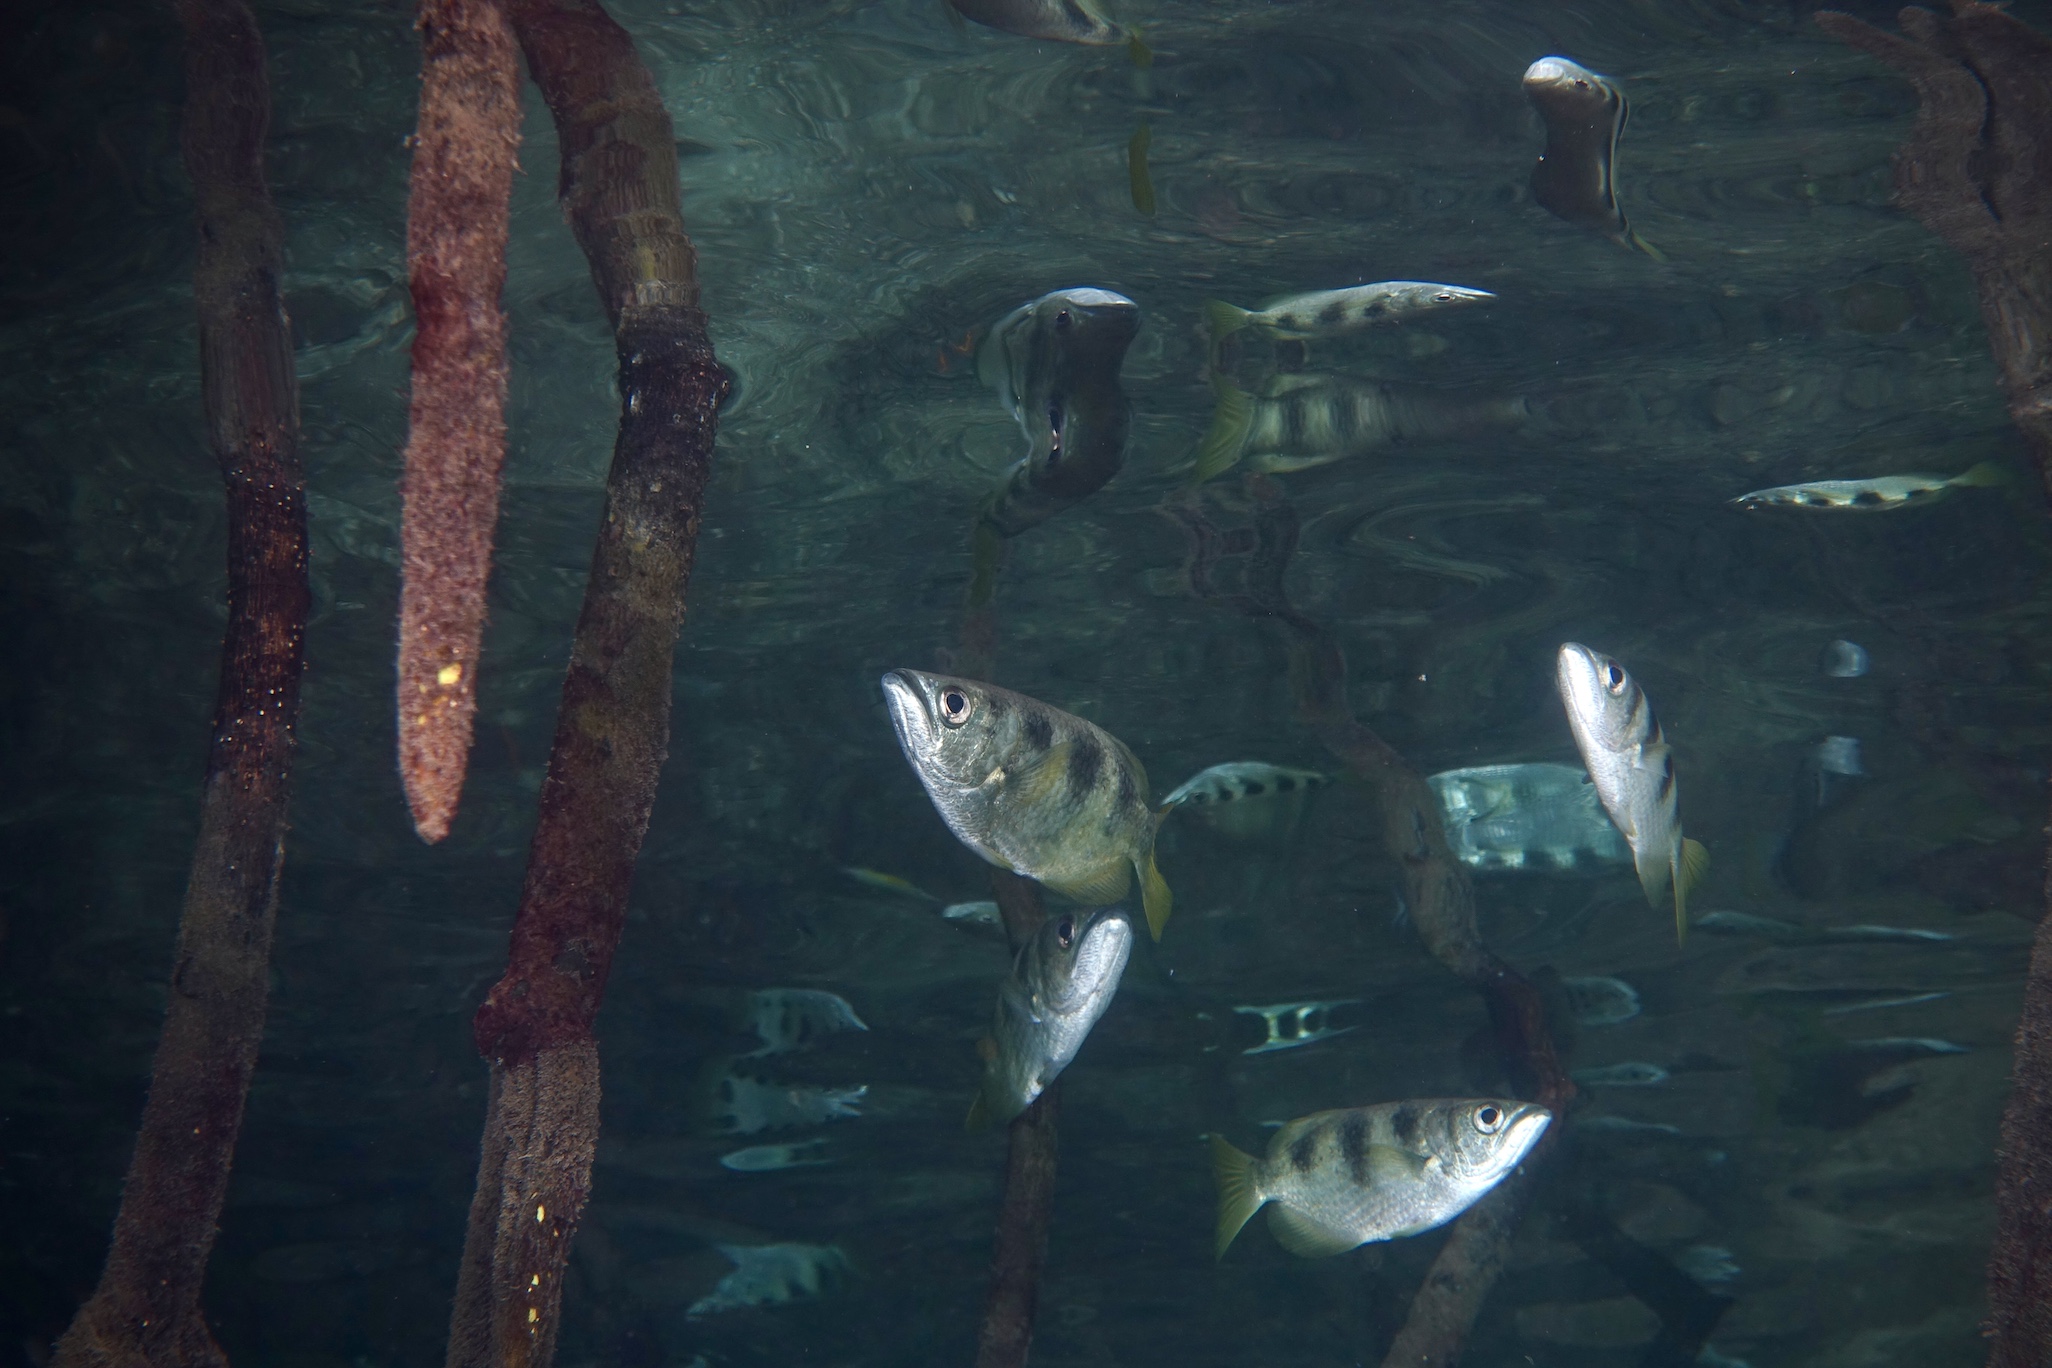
(867, 185)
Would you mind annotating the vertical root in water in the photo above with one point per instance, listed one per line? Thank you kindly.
(146, 1309)
(464, 149)
(620, 188)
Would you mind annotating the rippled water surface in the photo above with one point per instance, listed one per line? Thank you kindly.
(869, 187)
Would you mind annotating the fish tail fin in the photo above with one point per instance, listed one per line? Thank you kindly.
(1227, 434)
(1981, 476)
(1639, 244)
(978, 1119)
(1137, 51)
(1136, 169)
(1691, 862)
(1155, 897)
(1224, 319)
(1237, 1198)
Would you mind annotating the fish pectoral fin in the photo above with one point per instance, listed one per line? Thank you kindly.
(1038, 778)
(1388, 1164)
(1101, 889)
(1304, 1237)
(1155, 898)
(1691, 863)
(1237, 1199)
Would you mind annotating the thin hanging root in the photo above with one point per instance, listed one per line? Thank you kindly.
(463, 162)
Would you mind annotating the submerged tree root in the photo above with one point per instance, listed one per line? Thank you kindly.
(465, 143)
(146, 1309)
(619, 186)
(1977, 171)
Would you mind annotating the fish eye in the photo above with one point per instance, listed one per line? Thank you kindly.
(1443, 298)
(1488, 1119)
(1613, 677)
(1063, 322)
(954, 707)
(1581, 85)
(1065, 932)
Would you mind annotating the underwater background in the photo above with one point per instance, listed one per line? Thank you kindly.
(869, 187)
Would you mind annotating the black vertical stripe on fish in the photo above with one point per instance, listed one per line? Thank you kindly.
(1666, 778)
(1303, 1151)
(1404, 1121)
(1353, 1144)
(1086, 762)
(1128, 795)
(1039, 731)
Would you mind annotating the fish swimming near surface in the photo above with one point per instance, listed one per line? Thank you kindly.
(1599, 1000)
(1632, 1074)
(1746, 924)
(770, 1158)
(1060, 984)
(1576, 178)
(1032, 789)
(1629, 761)
(984, 914)
(1055, 364)
(1525, 817)
(1303, 420)
(1246, 798)
(771, 1275)
(1339, 1179)
(1844, 660)
(1060, 21)
(1329, 313)
(787, 1019)
(1879, 494)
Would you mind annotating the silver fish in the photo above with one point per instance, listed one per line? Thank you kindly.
(770, 1158)
(1746, 924)
(1060, 21)
(1576, 178)
(1247, 799)
(1600, 1001)
(1845, 660)
(786, 1019)
(771, 1275)
(1302, 420)
(1055, 364)
(1876, 495)
(984, 914)
(1625, 1125)
(1329, 313)
(1876, 1004)
(1633, 1074)
(1307, 1022)
(747, 1105)
(1060, 984)
(1633, 770)
(1031, 788)
(1525, 817)
(1339, 1179)
(888, 883)
(1909, 1045)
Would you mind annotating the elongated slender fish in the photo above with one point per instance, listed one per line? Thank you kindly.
(1329, 313)
(1633, 1074)
(1876, 495)
(1633, 770)
(1339, 1179)
(1746, 924)
(1576, 178)
(888, 883)
(1305, 420)
(1247, 799)
(1060, 984)
(1059, 21)
(770, 1158)
(1031, 788)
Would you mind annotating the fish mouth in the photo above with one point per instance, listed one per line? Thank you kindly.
(1581, 680)
(908, 696)
(1558, 73)
(1527, 1124)
(1106, 942)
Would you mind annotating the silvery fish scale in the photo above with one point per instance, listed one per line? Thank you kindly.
(1537, 816)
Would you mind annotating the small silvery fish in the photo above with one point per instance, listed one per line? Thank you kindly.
(1329, 313)
(1060, 21)
(1055, 364)
(1600, 1001)
(1876, 495)
(788, 1019)
(1625, 1125)
(1746, 924)
(1845, 660)
(1576, 178)
(888, 883)
(1060, 984)
(984, 914)
(1294, 1024)
(1031, 788)
(771, 1275)
(1910, 1045)
(1339, 1179)
(1245, 798)
(1635, 1074)
(1629, 761)
(770, 1158)
(1305, 420)
(747, 1105)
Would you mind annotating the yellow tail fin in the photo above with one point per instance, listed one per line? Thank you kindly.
(1980, 477)
(1155, 897)
(1227, 434)
(1691, 862)
(1237, 1199)
(1224, 319)
(1137, 51)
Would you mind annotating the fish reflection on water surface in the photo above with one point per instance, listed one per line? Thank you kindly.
(1030, 788)
(1299, 421)
(1576, 178)
(1533, 816)
(1338, 1179)
(1061, 982)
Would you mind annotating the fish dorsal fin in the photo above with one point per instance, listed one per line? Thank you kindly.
(1304, 1237)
